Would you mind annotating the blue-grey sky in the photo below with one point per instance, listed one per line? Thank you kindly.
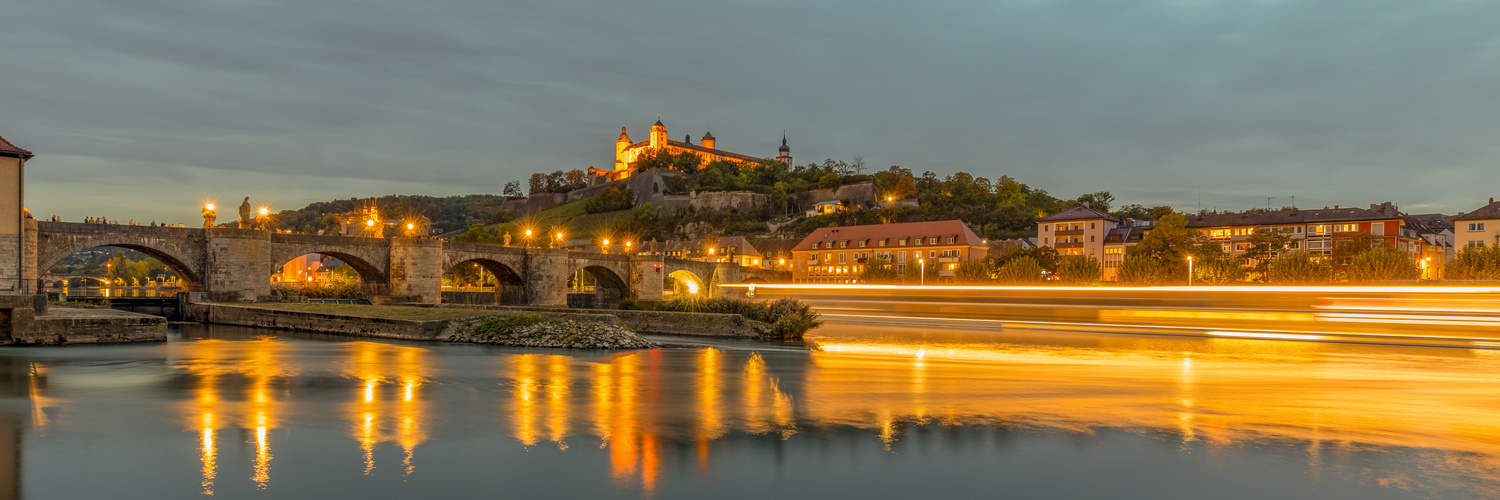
(143, 108)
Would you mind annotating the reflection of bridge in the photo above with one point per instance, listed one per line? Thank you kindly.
(230, 264)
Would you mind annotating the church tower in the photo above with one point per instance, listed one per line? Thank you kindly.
(621, 144)
(658, 134)
(786, 152)
(708, 140)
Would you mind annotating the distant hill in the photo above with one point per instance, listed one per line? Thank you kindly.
(446, 213)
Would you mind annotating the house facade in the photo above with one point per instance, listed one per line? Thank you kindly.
(839, 254)
(1479, 228)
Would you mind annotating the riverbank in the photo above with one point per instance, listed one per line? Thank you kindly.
(62, 325)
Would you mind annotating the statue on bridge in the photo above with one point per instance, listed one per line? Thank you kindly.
(245, 214)
(209, 215)
(507, 239)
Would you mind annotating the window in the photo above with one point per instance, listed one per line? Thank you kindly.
(1046, 241)
(844, 244)
(843, 257)
(1091, 225)
(949, 240)
(1113, 251)
(900, 269)
(901, 242)
(1218, 234)
(1318, 229)
(1091, 239)
(1476, 244)
(900, 256)
(1047, 227)
(863, 243)
(932, 241)
(815, 244)
(883, 241)
(827, 257)
(1476, 226)
(931, 254)
(1345, 228)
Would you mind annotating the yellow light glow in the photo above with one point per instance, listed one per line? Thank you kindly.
(369, 223)
(606, 242)
(528, 232)
(209, 206)
(559, 236)
(710, 250)
(1257, 335)
(264, 210)
(627, 244)
(410, 225)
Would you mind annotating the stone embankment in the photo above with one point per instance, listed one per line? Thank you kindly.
(60, 325)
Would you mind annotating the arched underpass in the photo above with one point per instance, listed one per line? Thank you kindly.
(483, 281)
(596, 287)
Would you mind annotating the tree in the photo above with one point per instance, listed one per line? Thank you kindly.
(1344, 249)
(1079, 269)
(1297, 268)
(1382, 263)
(1218, 270)
(610, 199)
(538, 183)
(975, 271)
(1475, 263)
(878, 271)
(1264, 245)
(1142, 269)
(575, 179)
(1099, 200)
(1169, 242)
(1021, 269)
(502, 216)
(513, 189)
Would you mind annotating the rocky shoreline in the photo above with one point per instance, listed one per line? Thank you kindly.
(550, 333)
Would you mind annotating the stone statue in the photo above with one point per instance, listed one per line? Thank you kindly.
(245, 213)
(507, 239)
(652, 247)
(209, 215)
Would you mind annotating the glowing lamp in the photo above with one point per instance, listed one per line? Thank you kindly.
(369, 223)
(606, 242)
(264, 211)
(528, 232)
(209, 206)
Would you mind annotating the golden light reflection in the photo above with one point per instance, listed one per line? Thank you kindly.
(557, 400)
(524, 373)
(388, 406)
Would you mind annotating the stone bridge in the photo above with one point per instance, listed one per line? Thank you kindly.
(237, 264)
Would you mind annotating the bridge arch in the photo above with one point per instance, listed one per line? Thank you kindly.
(594, 286)
(509, 288)
(682, 283)
(183, 266)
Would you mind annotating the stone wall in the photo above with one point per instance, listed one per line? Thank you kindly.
(21, 325)
(727, 201)
(535, 203)
(862, 193)
(316, 322)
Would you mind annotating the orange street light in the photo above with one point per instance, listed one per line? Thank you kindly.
(208, 206)
(1190, 270)
(264, 211)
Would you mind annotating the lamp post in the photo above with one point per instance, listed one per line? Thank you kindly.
(528, 239)
(1190, 270)
(606, 247)
(922, 278)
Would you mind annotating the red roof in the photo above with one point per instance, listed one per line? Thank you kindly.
(874, 232)
(1078, 213)
(13, 151)
(1487, 212)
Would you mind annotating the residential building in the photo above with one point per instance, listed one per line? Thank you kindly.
(776, 253)
(723, 249)
(1080, 230)
(825, 208)
(1479, 228)
(1318, 231)
(14, 277)
(1117, 241)
(838, 254)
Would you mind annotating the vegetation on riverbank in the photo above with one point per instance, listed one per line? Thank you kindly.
(532, 330)
(789, 318)
(381, 312)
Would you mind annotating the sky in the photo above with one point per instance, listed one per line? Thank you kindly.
(144, 109)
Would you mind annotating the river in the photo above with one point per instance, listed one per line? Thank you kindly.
(859, 412)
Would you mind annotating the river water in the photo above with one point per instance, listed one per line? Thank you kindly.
(897, 412)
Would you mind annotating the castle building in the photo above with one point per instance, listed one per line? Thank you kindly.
(628, 152)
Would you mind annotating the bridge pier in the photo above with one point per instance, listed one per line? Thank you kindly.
(232, 257)
(724, 273)
(546, 276)
(417, 269)
(646, 276)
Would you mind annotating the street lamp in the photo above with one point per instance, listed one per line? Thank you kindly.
(528, 238)
(922, 280)
(606, 246)
(1190, 270)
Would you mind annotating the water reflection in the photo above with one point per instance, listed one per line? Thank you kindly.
(663, 414)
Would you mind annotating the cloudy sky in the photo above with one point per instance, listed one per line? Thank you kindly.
(144, 108)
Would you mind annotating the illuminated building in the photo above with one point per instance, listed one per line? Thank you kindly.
(627, 152)
(719, 250)
(1076, 231)
(838, 254)
(1317, 230)
(1480, 228)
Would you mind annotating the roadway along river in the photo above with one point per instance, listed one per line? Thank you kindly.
(873, 412)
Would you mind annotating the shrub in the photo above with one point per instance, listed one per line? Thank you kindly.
(1141, 269)
(1382, 263)
(976, 271)
(1079, 269)
(630, 304)
(1297, 268)
(610, 199)
(1475, 263)
(878, 271)
(789, 318)
(1024, 269)
(321, 290)
(1218, 271)
(496, 326)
